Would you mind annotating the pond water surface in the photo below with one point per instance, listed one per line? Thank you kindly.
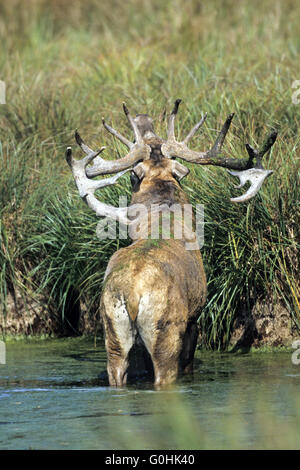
(54, 395)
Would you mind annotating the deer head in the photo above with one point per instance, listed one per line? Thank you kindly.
(153, 159)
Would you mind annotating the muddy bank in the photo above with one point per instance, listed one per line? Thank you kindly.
(267, 325)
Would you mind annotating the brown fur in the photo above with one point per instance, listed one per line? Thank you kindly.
(154, 290)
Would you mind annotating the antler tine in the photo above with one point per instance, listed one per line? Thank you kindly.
(194, 129)
(104, 167)
(137, 135)
(270, 140)
(87, 187)
(247, 172)
(256, 174)
(87, 150)
(92, 156)
(252, 154)
(84, 184)
(258, 154)
(172, 148)
(171, 132)
(214, 156)
(78, 169)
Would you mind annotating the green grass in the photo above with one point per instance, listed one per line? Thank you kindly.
(66, 64)
(234, 428)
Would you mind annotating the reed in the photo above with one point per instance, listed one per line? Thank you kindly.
(66, 64)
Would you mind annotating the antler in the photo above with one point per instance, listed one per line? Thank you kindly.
(87, 187)
(247, 172)
(138, 151)
(82, 172)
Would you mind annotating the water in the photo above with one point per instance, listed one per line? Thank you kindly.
(54, 395)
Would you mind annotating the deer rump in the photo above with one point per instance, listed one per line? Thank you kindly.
(152, 299)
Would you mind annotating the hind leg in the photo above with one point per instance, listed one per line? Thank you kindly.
(119, 339)
(166, 367)
(166, 354)
(188, 349)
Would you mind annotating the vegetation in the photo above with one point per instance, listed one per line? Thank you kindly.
(230, 426)
(65, 64)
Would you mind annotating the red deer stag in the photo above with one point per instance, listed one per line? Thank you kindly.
(154, 289)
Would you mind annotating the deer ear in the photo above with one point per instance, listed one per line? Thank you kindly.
(139, 170)
(179, 171)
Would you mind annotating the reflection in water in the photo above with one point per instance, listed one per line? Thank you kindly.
(55, 395)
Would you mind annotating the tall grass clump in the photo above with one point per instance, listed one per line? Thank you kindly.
(65, 64)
